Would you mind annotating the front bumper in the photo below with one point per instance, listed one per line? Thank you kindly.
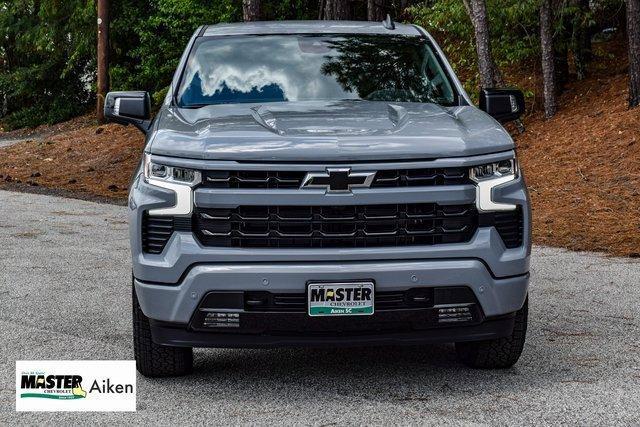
(405, 314)
(177, 303)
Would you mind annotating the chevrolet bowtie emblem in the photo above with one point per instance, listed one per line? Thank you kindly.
(338, 180)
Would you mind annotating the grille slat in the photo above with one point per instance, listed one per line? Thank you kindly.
(335, 226)
(253, 179)
(421, 177)
(426, 177)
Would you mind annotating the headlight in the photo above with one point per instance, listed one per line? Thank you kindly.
(494, 170)
(179, 180)
(489, 176)
(178, 175)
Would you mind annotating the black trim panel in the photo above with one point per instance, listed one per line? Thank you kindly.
(177, 335)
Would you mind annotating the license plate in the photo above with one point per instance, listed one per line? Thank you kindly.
(340, 299)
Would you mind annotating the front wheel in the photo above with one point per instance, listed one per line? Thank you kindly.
(498, 353)
(154, 360)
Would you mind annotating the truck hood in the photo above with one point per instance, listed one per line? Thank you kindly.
(334, 131)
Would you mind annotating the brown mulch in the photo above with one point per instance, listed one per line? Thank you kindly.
(89, 160)
(44, 131)
(583, 170)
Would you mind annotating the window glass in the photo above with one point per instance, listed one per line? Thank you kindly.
(277, 68)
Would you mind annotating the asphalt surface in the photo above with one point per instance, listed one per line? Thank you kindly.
(65, 294)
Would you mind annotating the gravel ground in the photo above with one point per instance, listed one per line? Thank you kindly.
(10, 142)
(64, 294)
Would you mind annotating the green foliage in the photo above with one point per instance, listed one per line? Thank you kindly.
(48, 47)
(513, 25)
(48, 51)
(46, 60)
(148, 46)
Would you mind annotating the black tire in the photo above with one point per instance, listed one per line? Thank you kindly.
(153, 360)
(499, 353)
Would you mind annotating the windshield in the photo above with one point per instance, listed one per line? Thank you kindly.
(277, 68)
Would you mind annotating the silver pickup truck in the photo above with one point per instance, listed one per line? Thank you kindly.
(325, 184)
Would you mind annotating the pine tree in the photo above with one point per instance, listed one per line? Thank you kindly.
(490, 76)
(633, 31)
(103, 57)
(335, 10)
(376, 10)
(251, 10)
(548, 65)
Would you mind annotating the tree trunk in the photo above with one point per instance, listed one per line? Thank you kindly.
(548, 60)
(377, 10)
(103, 57)
(633, 31)
(343, 10)
(337, 10)
(477, 10)
(251, 10)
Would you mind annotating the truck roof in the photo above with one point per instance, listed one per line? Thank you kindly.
(308, 27)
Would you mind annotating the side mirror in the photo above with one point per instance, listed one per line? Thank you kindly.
(504, 105)
(129, 108)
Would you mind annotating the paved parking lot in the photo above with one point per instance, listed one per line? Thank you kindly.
(65, 294)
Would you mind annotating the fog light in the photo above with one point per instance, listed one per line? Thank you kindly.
(454, 314)
(216, 319)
